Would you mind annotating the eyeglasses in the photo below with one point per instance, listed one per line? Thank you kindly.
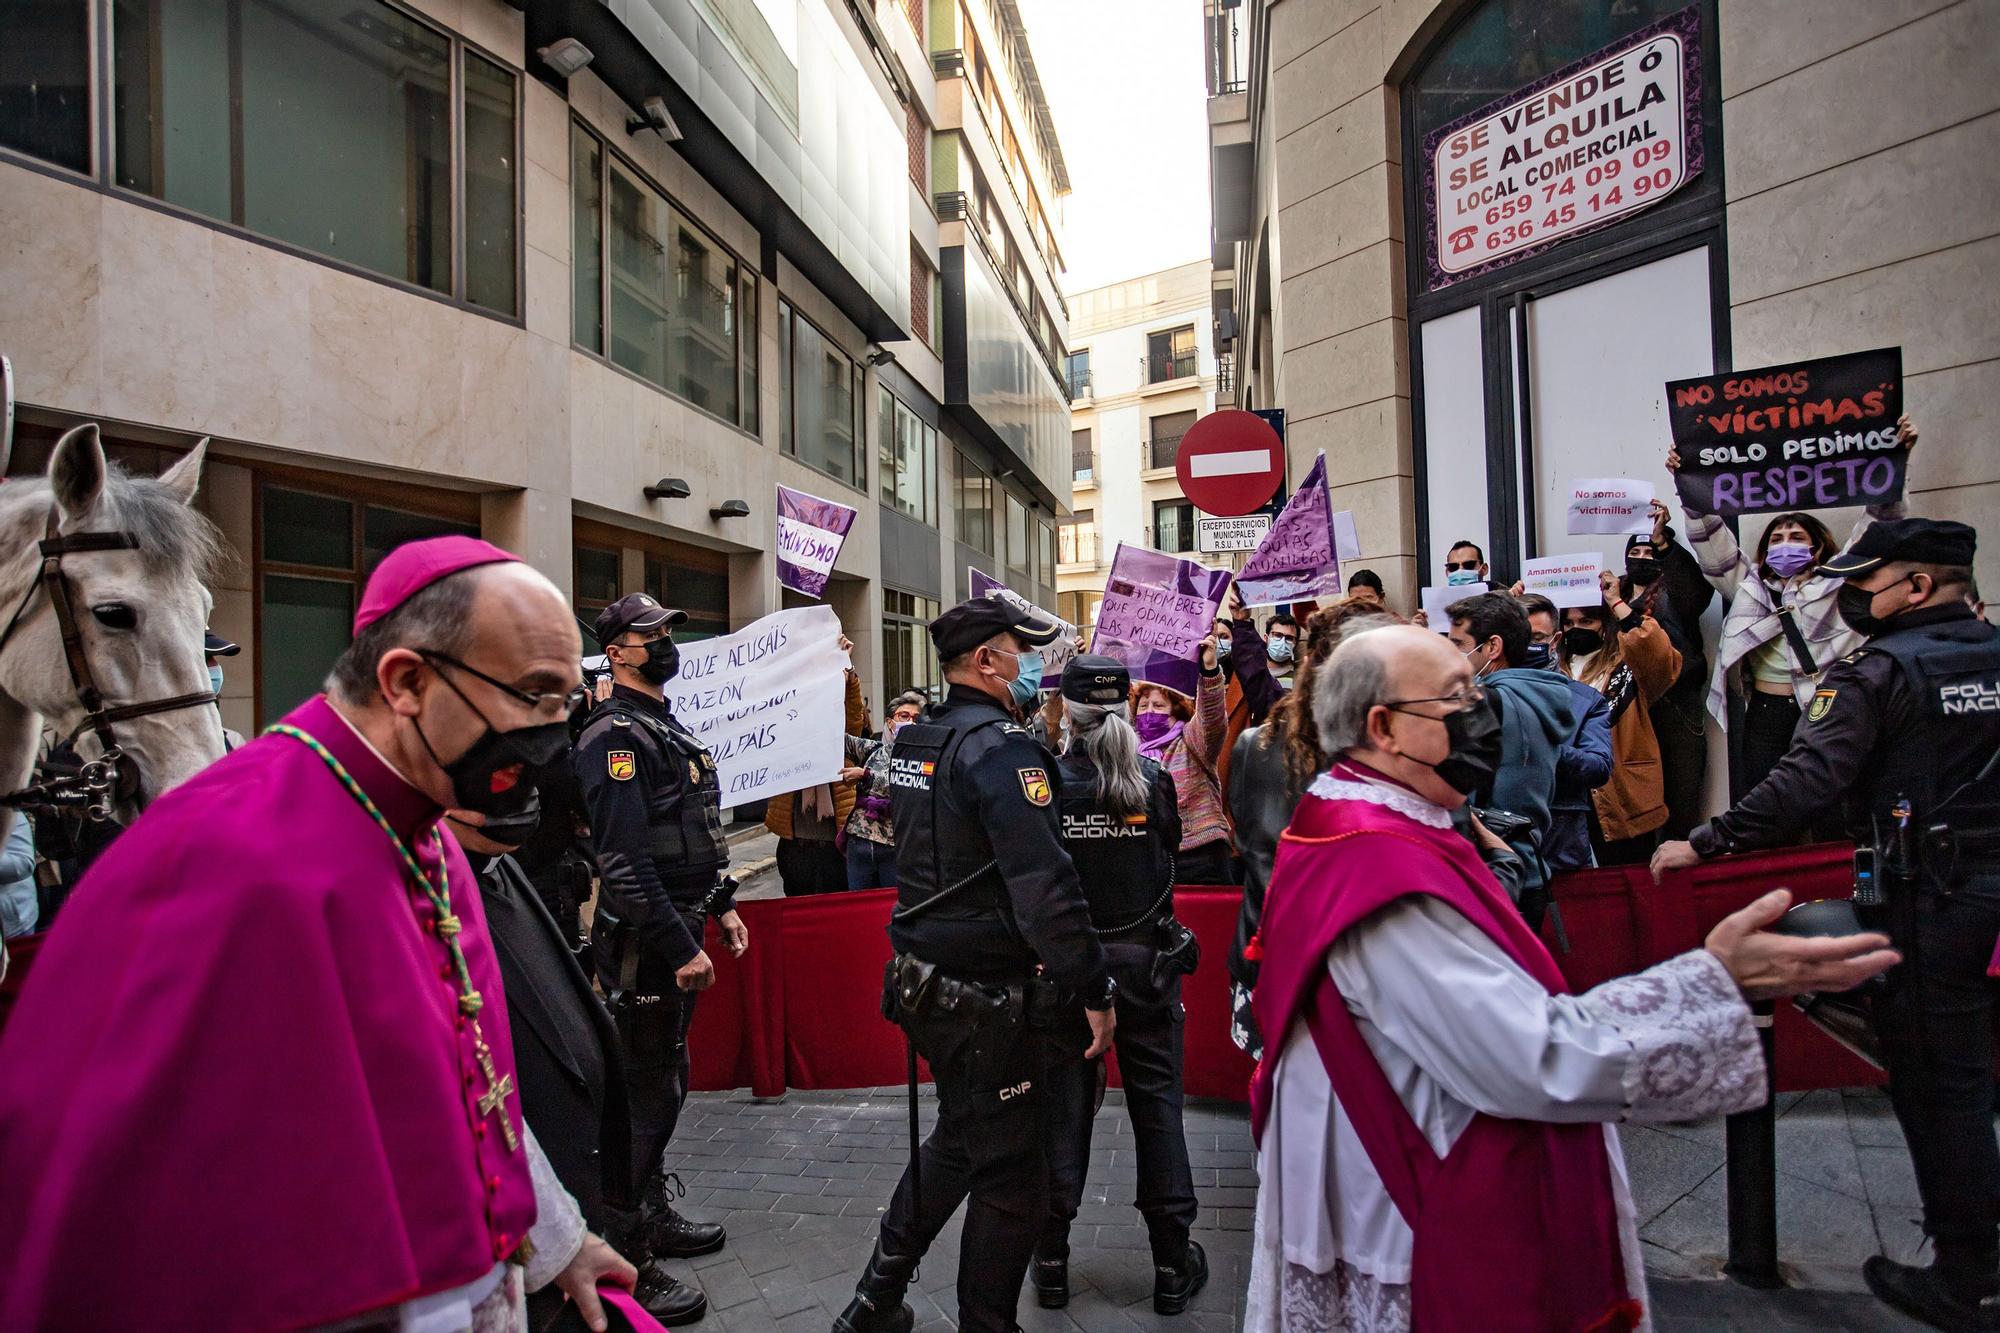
(550, 707)
(1460, 700)
(1451, 568)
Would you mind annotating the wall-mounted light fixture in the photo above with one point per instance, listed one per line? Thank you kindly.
(653, 115)
(668, 488)
(878, 356)
(731, 509)
(566, 55)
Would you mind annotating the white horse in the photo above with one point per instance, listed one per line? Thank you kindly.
(103, 604)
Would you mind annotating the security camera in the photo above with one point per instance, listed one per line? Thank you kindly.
(653, 115)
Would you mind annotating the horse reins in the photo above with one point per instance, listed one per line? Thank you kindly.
(112, 773)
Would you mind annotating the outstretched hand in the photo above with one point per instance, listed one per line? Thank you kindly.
(595, 1262)
(1769, 967)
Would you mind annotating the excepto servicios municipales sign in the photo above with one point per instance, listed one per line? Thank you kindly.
(1614, 133)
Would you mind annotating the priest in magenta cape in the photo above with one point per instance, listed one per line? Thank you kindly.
(1433, 1114)
(261, 1077)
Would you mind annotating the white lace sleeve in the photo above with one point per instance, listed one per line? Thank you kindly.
(558, 1231)
(1694, 1048)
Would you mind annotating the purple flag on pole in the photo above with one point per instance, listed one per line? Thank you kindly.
(1156, 611)
(1056, 655)
(811, 532)
(981, 583)
(1296, 561)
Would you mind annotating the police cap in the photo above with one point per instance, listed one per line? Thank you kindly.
(214, 645)
(977, 619)
(1091, 679)
(635, 610)
(1923, 541)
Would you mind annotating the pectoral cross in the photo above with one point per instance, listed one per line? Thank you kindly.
(499, 1087)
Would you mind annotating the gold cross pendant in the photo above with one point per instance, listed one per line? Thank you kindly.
(494, 1102)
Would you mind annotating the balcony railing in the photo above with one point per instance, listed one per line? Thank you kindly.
(1079, 384)
(1225, 374)
(1083, 470)
(1078, 545)
(1225, 68)
(1160, 367)
(1164, 451)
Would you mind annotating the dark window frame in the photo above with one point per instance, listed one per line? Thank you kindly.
(1165, 365)
(1184, 525)
(788, 397)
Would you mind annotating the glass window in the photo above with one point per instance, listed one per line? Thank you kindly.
(786, 442)
(1020, 557)
(975, 506)
(906, 459)
(1045, 559)
(704, 322)
(1076, 372)
(594, 572)
(45, 80)
(383, 530)
(820, 393)
(640, 304)
(326, 124)
(1164, 438)
(748, 352)
(586, 186)
(301, 528)
(702, 593)
(311, 619)
(1082, 457)
(1170, 354)
(885, 443)
(908, 663)
(1173, 526)
(490, 211)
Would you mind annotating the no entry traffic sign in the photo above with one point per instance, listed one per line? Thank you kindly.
(1230, 462)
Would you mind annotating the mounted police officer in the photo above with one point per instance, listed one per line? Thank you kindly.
(655, 809)
(986, 893)
(1121, 827)
(1903, 736)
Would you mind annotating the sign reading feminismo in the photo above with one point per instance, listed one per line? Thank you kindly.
(1614, 133)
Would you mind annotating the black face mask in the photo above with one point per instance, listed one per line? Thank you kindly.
(1856, 607)
(1582, 642)
(663, 662)
(515, 829)
(1474, 736)
(496, 773)
(1538, 655)
(1642, 569)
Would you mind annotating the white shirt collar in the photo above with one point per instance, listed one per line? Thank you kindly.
(1403, 801)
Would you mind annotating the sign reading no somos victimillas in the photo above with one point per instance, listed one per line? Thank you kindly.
(1599, 140)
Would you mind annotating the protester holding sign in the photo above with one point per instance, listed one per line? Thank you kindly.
(871, 829)
(1185, 737)
(1627, 657)
(810, 823)
(1663, 580)
(1782, 629)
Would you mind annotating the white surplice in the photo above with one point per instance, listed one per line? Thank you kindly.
(1458, 1028)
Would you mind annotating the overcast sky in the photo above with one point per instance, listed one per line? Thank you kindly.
(1124, 81)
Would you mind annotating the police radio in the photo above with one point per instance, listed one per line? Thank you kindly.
(1867, 892)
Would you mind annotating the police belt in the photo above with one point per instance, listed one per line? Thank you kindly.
(918, 989)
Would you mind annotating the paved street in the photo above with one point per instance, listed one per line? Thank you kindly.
(800, 1182)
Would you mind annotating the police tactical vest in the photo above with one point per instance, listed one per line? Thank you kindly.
(1952, 668)
(683, 818)
(940, 843)
(1119, 860)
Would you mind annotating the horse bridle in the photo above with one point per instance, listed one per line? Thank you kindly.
(112, 774)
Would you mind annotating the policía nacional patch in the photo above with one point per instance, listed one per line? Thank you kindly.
(1822, 704)
(1035, 785)
(619, 764)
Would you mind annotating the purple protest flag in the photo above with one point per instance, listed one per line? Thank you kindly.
(1056, 655)
(811, 532)
(981, 583)
(1156, 611)
(1296, 561)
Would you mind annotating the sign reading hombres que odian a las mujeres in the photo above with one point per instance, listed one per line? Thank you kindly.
(1614, 133)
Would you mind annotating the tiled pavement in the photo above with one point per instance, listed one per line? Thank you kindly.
(801, 1181)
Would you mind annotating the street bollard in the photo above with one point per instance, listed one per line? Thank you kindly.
(1752, 1145)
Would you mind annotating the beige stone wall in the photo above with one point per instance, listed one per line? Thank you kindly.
(1860, 143)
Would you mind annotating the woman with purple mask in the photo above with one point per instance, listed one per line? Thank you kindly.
(1185, 737)
(1781, 629)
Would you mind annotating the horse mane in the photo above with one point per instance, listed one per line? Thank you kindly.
(172, 536)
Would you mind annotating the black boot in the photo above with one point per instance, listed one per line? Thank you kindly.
(1174, 1285)
(878, 1305)
(668, 1234)
(1924, 1294)
(667, 1298)
(1051, 1282)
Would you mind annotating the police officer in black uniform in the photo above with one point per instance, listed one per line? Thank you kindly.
(1121, 828)
(654, 803)
(986, 894)
(1902, 738)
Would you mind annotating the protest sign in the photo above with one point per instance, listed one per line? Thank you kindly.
(1295, 561)
(1566, 580)
(767, 701)
(1809, 435)
(1056, 655)
(1435, 600)
(1617, 506)
(811, 532)
(1346, 540)
(1156, 611)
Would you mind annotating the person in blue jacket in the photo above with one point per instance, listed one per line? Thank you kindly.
(1537, 719)
(1585, 762)
(19, 910)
